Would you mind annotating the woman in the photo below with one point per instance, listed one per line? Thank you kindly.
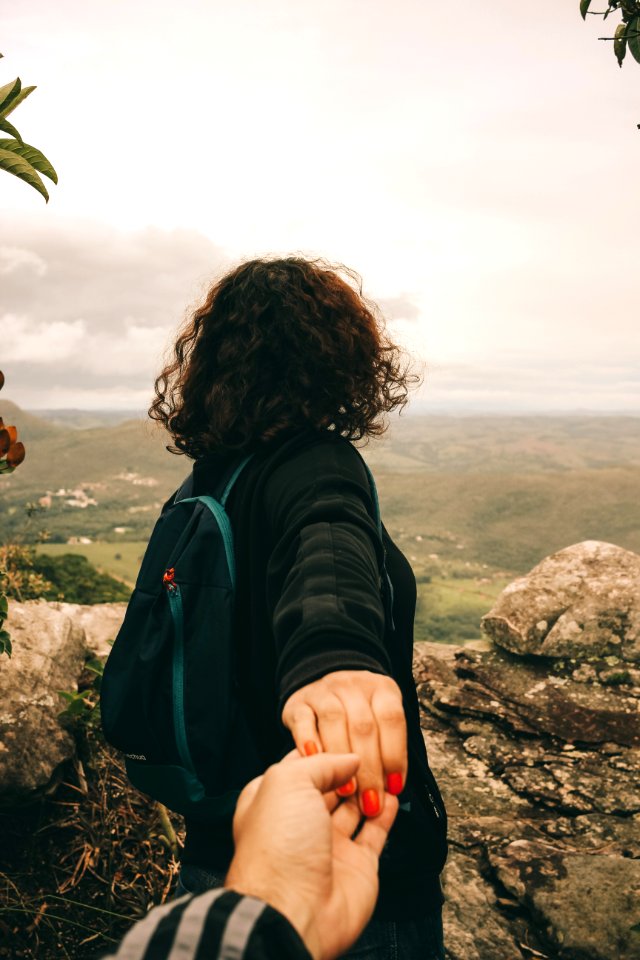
(287, 361)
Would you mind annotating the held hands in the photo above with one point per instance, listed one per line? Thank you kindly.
(358, 711)
(294, 850)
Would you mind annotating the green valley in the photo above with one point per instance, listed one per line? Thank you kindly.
(472, 501)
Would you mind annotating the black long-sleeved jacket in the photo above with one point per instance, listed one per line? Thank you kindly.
(219, 923)
(309, 602)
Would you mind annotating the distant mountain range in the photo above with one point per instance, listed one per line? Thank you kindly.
(85, 419)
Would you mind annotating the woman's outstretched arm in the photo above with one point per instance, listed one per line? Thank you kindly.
(324, 591)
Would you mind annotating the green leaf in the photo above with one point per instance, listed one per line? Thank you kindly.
(7, 108)
(619, 43)
(32, 155)
(9, 91)
(75, 709)
(633, 37)
(4, 606)
(584, 6)
(9, 128)
(95, 666)
(19, 167)
(5, 643)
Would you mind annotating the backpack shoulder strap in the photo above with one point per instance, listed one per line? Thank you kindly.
(228, 487)
(224, 483)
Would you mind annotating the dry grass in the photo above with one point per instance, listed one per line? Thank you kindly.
(78, 867)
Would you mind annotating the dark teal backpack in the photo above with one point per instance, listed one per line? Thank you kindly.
(169, 693)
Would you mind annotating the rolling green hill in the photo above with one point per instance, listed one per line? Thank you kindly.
(470, 500)
(500, 491)
(510, 521)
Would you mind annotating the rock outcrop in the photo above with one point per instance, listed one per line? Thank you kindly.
(535, 741)
(51, 643)
(100, 622)
(544, 820)
(48, 655)
(538, 758)
(582, 601)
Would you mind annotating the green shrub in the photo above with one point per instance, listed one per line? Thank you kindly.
(76, 580)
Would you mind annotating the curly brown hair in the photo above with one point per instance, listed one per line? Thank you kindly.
(279, 344)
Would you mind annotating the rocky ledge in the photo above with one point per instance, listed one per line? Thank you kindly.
(534, 737)
(538, 758)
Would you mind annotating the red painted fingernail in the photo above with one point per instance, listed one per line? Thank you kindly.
(370, 803)
(310, 748)
(348, 789)
(394, 784)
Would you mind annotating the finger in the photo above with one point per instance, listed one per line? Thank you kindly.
(363, 737)
(326, 771)
(332, 800)
(346, 816)
(301, 721)
(331, 720)
(245, 800)
(374, 832)
(388, 710)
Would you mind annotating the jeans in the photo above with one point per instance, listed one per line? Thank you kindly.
(380, 939)
(400, 940)
(197, 880)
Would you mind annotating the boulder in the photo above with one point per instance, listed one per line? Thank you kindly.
(100, 622)
(48, 656)
(581, 602)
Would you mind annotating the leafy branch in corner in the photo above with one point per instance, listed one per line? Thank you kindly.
(16, 156)
(627, 33)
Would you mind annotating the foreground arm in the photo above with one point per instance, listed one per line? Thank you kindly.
(298, 888)
(218, 924)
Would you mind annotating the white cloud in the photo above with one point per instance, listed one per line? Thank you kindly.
(135, 350)
(18, 258)
(28, 341)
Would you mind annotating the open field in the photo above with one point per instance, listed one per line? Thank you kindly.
(449, 611)
(121, 560)
(449, 607)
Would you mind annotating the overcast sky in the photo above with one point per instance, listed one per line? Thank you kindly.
(476, 163)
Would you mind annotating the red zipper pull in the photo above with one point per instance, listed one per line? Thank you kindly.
(168, 577)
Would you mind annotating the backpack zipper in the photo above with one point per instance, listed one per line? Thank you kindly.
(177, 615)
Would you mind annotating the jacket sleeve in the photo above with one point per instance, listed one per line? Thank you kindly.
(219, 923)
(324, 573)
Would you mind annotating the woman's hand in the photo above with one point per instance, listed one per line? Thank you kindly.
(354, 711)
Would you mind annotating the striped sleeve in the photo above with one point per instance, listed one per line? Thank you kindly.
(217, 925)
